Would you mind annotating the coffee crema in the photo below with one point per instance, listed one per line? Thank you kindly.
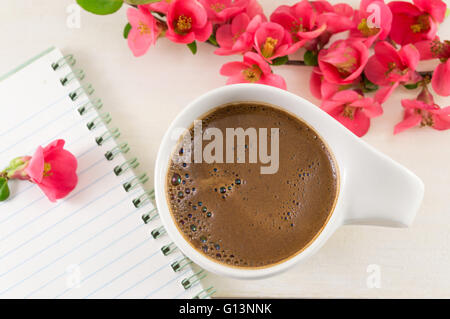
(232, 213)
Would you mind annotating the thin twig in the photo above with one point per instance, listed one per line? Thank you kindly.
(296, 62)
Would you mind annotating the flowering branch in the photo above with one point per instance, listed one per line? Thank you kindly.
(351, 83)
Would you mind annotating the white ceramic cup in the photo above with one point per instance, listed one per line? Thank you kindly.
(373, 189)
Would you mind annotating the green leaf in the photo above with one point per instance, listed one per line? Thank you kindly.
(212, 39)
(367, 85)
(412, 86)
(140, 1)
(101, 7)
(310, 58)
(4, 189)
(126, 31)
(193, 47)
(280, 60)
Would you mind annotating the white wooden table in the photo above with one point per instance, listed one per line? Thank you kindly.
(145, 94)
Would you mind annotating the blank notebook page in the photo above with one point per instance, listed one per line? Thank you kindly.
(92, 244)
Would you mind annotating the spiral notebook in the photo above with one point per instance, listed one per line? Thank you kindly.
(105, 239)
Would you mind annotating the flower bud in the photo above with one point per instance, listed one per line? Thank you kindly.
(17, 166)
(425, 96)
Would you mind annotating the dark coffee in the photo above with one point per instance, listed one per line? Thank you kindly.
(232, 213)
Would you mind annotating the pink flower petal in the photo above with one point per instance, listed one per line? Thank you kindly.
(436, 8)
(232, 68)
(359, 125)
(274, 80)
(315, 83)
(36, 167)
(407, 123)
(224, 36)
(385, 92)
(410, 56)
(441, 122)
(441, 79)
(203, 34)
(346, 96)
(424, 48)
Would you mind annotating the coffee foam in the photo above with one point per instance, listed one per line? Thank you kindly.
(233, 214)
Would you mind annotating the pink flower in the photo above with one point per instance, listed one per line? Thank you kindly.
(352, 110)
(415, 22)
(299, 20)
(220, 11)
(321, 88)
(371, 13)
(389, 67)
(253, 8)
(144, 30)
(344, 61)
(53, 169)
(338, 17)
(435, 49)
(187, 21)
(423, 112)
(273, 41)
(254, 69)
(311, 23)
(237, 37)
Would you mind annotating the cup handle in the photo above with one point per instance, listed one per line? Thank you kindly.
(380, 191)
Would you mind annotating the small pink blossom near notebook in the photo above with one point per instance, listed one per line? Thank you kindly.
(105, 239)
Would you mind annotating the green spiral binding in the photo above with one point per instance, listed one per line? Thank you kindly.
(158, 232)
(85, 89)
(151, 215)
(193, 280)
(76, 74)
(66, 60)
(96, 105)
(102, 119)
(109, 134)
(180, 264)
(205, 293)
(121, 148)
(135, 182)
(168, 249)
(130, 164)
(144, 199)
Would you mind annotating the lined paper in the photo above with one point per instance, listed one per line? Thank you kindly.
(92, 244)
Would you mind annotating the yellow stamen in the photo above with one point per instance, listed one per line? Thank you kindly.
(217, 6)
(422, 24)
(237, 35)
(143, 28)
(252, 74)
(346, 68)
(297, 26)
(269, 47)
(365, 30)
(47, 170)
(183, 24)
(427, 120)
(349, 112)
(391, 67)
